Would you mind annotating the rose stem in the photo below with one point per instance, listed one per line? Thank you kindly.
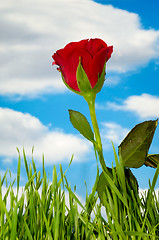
(91, 103)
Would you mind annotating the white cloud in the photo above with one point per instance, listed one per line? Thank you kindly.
(23, 130)
(32, 30)
(34, 87)
(114, 132)
(144, 106)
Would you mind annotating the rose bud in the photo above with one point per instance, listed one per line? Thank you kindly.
(82, 64)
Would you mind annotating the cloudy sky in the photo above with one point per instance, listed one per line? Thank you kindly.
(34, 102)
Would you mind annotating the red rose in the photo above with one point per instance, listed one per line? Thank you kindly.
(94, 53)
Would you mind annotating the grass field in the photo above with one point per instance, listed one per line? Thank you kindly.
(52, 210)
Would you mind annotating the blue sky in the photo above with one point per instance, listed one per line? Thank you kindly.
(34, 102)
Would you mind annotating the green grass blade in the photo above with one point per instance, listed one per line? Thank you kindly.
(18, 174)
(27, 231)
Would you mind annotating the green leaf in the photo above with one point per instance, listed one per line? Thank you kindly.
(103, 183)
(107, 181)
(132, 181)
(79, 122)
(82, 79)
(134, 148)
(152, 160)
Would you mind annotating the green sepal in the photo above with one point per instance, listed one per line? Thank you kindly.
(97, 88)
(152, 160)
(82, 79)
(134, 148)
(69, 86)
(80, 123)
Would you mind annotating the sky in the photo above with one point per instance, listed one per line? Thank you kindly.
(34, 102)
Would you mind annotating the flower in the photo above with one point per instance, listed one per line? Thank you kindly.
(91, 53)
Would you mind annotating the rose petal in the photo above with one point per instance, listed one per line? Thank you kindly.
(95, 45)
(68, 60)
(97, 64)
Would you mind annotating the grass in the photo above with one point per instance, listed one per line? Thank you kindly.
(52, 210)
